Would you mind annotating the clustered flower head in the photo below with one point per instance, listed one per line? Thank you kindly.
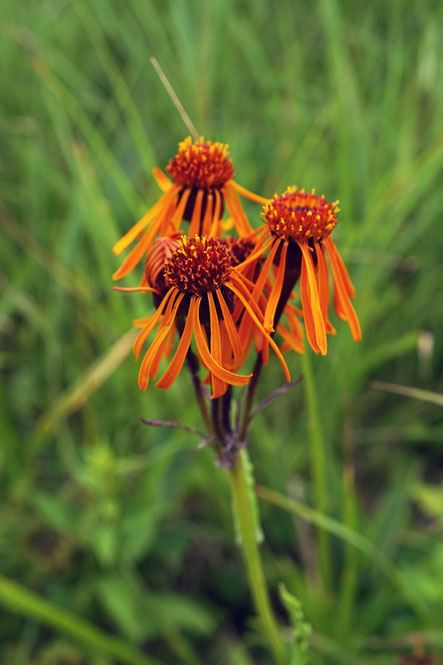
(226, 295)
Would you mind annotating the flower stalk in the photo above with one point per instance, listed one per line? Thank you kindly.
(219, 296)
(246, 521)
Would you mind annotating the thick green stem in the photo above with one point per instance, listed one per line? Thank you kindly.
(244, 513)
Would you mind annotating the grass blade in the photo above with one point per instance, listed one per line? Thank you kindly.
(19, 599)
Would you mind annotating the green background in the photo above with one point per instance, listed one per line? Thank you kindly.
(121, 525)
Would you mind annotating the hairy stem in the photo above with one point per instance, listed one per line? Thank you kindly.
(244, 513)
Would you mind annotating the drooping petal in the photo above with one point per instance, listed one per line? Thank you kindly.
(315, 326)
(156, 209)
(147, 240)
(194, 227)
(323, 287)
(261, 245)
(247, 194)
(350, 290)
(207, 217)
(215, 229)
(259, 324)
(178, 359)
(151, 361)
(256, 291)
(230, 327)
(218, 386)
(307, 311)
(275, 294)
(161, 179)
(145, 367)
(342, 303)
(174, 223)
(169, 322)
(208, 360)
(150, 322)
(236, 211)
(293, 335)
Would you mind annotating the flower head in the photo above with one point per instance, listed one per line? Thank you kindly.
(300, 216)
(200, 265)
(204, 165)
(297, 231)
(202, 186)
(209, 299)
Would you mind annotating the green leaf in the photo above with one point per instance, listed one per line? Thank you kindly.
(175, 611)
(122, 605)
(59, 514)
(104, 542)
(430, 499)
(138, 531)
(300, 628)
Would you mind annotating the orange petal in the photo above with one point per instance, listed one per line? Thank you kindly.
(315, 326)
(169, 323)
(275, 294)
(142, 246)
(215, 230)
(161, 179)
(342, 303)
(256, 292)
(236, 211)
(230, 327)
(178, 359)
(261, 246)
(151, 361)
(218, 386)
(208, 360)
(133, 289)
(247, 194)
(207, 217)
(151, 322)
(145, 367)
(194, 227)
(144, 221)
(259, 325)
(350, 290)
(177, 217)
(323, 286)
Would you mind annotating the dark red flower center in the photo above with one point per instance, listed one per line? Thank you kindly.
(199, 265)
(202, 164)
(300, 216)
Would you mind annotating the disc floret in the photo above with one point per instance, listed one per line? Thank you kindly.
(202, 164)
(200, 265)
(301, 216)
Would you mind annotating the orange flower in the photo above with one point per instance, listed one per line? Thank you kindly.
(209, 299)
(202, 183)
(297, 232)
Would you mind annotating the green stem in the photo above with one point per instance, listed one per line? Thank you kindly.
(244, 513)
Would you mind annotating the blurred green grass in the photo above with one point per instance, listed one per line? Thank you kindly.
(122, 525)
